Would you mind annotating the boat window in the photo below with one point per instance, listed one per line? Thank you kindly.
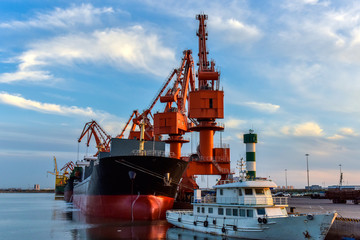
(249, 213)
(228, 211)
(261, 211)
(221, 192)
(235, 212)
(210, 210)
(220, 211)
(259, 191)
(242, 212)
(203, 210)
(198, 209)
(248, 191)
(240, 192)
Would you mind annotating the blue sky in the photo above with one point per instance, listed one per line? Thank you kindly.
(289, 70)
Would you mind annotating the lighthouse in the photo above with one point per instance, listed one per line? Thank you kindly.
(250, 139)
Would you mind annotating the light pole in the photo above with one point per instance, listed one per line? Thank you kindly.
(286, 178)
(307, 169)
(341, 176)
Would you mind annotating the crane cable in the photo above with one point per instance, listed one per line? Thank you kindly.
(144, 170)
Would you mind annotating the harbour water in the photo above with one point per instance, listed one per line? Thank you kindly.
(40, 216)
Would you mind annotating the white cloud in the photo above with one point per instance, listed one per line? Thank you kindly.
(25, 75)
(336, 137)
(348, 132)
(259, 106)
(263, 107)
(303, 129)
(233, 123)
(61, 18)
(21, 102)
(234, 30)
(342, 133)
(297, 5)
(308, 129)
(126, 49)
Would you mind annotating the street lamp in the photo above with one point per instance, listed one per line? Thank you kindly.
(286, 179)
(341, 176)
(307, 168)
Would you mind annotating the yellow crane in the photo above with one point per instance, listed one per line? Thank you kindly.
(61, 177)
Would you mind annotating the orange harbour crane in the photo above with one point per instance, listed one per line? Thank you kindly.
(207, 101)
(173, 120)
(206, 104)
(146, 116)
(135, 114)
(102, 139)
(67, 168)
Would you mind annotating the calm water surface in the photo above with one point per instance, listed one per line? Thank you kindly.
(39, 216)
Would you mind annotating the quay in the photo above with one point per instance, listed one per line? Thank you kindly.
(346, 225)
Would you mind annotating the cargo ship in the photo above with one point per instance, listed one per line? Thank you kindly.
(126, 183)
(133, 178)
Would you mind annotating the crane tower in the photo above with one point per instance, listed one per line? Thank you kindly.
(206, 103)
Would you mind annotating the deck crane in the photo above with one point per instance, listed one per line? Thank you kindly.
(173, 120)
(146, 116)
(67, 168)
(134, 114)
(102, 139)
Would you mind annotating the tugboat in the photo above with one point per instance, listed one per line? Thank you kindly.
(247, 209)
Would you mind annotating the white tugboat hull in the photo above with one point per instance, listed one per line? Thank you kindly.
(290, 227)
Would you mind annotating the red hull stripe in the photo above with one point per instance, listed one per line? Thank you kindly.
(127, 207)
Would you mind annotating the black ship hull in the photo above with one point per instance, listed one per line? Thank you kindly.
(129, 187)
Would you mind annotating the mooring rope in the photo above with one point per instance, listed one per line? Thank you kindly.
(144, 170)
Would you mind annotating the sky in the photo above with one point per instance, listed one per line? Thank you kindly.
(290, 70)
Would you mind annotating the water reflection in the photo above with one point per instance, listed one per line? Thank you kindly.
(87, 227)
(182, 234)
(106, 228)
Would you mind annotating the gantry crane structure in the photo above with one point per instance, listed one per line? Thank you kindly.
(102, 139)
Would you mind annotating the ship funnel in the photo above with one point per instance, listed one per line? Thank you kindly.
(250, 139)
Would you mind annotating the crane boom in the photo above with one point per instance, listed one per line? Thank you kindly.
(135, 113)
(102, 139)
(206, 72)
(173, 120)
(146, 115)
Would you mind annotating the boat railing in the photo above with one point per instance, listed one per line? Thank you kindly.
(243, 200)
(157, 153)
(280, 200)
(223, 145)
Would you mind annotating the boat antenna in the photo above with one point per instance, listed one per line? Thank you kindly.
(242, 172)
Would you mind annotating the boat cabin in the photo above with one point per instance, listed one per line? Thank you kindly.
(240, 199)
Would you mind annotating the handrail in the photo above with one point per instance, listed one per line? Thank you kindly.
(157, 153)
(243, 200)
